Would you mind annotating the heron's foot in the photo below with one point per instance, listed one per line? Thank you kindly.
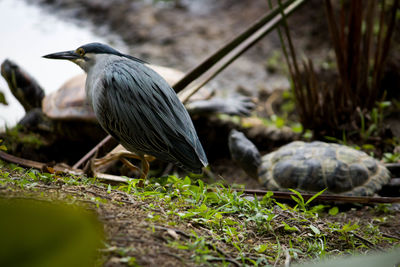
(110, 157)
(122, 156)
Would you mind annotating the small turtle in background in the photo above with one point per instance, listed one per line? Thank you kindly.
(311, 167)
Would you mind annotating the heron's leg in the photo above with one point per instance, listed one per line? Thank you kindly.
(144, 160)
(122, 155)
(145, 168)
(145, 164)
(115, 156)
(148, 158)
(129, 164)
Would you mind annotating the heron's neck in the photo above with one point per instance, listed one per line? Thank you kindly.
(95, 73)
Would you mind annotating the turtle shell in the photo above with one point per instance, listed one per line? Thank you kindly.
(317, 165)
(69, 102)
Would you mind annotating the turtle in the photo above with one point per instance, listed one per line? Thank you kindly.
(311, 167)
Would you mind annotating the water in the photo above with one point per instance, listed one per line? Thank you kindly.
(27, 33)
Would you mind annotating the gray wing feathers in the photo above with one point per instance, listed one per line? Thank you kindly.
(145, 114)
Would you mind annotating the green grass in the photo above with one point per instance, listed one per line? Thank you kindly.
(232, 220)
(225, 226)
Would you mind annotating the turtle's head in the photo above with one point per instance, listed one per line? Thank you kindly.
(86, 55)
(8, 68)
(244, 153)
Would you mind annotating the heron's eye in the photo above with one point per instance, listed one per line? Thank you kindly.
(80, 51)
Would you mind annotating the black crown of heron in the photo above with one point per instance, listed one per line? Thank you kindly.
(137, 107)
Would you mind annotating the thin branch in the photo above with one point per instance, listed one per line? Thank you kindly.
(369, 243)
(391, 236)
(92, 152)
(239, 50)
(325, 198)
(223, 51)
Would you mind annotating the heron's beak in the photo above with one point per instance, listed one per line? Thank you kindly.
(70, 55)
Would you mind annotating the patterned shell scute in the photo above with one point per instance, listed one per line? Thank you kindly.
(317, 165)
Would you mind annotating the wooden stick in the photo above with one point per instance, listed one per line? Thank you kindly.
(330, 198)
(220, 53)
(231, 55)
(23, 162)
(92, 152)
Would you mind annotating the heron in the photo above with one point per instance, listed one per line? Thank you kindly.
(137, 107)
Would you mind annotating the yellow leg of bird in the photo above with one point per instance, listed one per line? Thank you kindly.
(145, 168)
(118, 155)
(145, 171)
(114, 156)
(122, 155)
(129, 164)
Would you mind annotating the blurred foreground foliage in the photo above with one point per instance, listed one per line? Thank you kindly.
(46, 233)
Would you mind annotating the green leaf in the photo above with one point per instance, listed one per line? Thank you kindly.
(368, 147)
(315, 229)
(298, 194)
(261, 248)
(297, 128)
(2, 147)
(32, 175)
(218, 216)
(349, 227)
(290, 228)
(384, 104)
(279, 122)
(203, 207)
(187, 181)
(282, 206)
(315, 196)
(333, 211)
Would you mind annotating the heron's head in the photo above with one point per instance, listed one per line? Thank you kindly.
(85, 55)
